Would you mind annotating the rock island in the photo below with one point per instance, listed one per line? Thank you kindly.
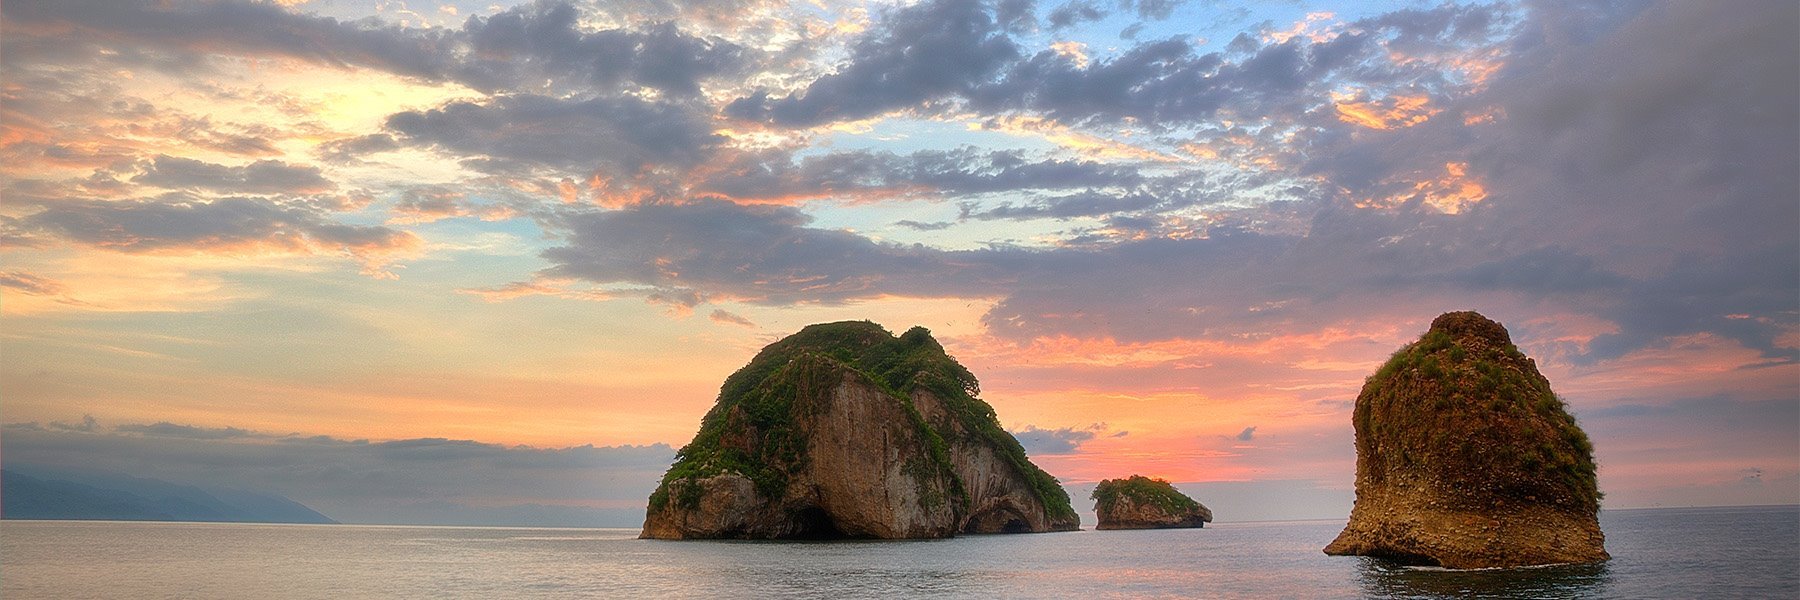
(845, 431)
(1466, 459)
(1139, 502)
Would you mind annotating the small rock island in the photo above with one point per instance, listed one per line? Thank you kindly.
(845, 431)
(1139, 502)
(1466, 459)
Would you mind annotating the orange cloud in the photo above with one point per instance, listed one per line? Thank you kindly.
(1395, 112)
(1450, 193)
(1075, 51)
(1487, 115)
(1455, 191)
(1473, 67)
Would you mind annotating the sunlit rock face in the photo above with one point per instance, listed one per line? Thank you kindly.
(1466, 459)
(845, 431)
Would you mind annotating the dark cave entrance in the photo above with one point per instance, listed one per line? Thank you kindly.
(813, 523)
(998, 520)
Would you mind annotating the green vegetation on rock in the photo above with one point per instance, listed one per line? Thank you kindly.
(1465, 404)
(755, 410)
(1143, 490)
(1465, 458)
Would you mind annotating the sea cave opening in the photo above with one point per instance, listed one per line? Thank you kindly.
(998, 520)
(813, 523)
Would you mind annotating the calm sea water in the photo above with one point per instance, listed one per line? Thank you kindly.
(1663, 553)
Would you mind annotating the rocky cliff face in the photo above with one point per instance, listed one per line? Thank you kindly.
(845, 431)
(1139, 502)
(1466, 459)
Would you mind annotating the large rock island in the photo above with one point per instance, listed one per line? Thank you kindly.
(1139, 502)
(844, 431)
(1466, 459)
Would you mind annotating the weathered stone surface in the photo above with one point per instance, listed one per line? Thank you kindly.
(844, 431)
(1466, 459)
(1139, 502)
(1002, 496)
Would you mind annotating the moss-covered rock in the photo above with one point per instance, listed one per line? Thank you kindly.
(844, 430)
(1139, 502)
(1466, 459)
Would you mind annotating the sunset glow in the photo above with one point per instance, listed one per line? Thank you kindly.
(1171, 239)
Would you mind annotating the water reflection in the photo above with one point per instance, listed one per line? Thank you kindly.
(1713, 553)
(1386, 579)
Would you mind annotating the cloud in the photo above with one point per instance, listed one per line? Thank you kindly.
(529, 45)
(88, 423)
(865, 174)
(1628, 167)
(346, 149)
(1065, 440)
(1164, 82)
(29, 284)
(1547, 270)
(425, 204)
(922, 226)
(1155, 10)
(762, 254)
(728, 318)
(197, 29)
(1639, 173)
(226, 225)
(167, 429)
(1074, 12)
(1654, 211)
(953, 54)
(426, 480)
(511, 132)
(66, 117)
(525, 46)
(922, 52)
(769, 255)
(1084, 204)
(260, 177)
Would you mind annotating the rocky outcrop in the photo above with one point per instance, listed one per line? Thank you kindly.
(845, 431)
(1139, 502)
(1466, 459)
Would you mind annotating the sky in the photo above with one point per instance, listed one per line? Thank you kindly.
(488, 262)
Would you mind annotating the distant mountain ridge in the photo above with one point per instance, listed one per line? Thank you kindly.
(103, 496)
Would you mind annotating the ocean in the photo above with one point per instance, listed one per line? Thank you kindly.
(1737, 552)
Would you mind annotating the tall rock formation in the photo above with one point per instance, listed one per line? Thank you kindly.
(1139, 502)
(1466, 459)
(844, 431)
